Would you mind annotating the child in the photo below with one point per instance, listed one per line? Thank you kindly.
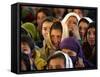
(83, 25)
(89, 45)
(30, 57)
(59, 60)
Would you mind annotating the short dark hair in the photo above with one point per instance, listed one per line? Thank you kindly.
(58, 55)
(56, 25)
(83, 20)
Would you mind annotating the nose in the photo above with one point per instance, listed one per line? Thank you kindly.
(55, 40)
(91, 36)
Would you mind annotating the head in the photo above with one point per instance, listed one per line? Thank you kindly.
(83, 25)
(46, 25)
(59, 60)
(59, 12)
(27, 44)
(41, 14)
(80, 12)
(71, 20)
(56, 33)
(91, 34)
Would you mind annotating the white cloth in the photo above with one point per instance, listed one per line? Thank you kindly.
(69, 63)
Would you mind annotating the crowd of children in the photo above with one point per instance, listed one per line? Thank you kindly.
(57, 38)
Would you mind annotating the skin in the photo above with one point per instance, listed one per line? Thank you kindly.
(79, 12)
(25, 47)
(56, 37)
(72, 26)
(46, 28)
(91, 36)
(40, 17)
(56, 63)
(72, 22)
(82, 29)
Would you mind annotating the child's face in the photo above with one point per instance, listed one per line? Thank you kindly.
(71, 22)
(56, 37)
(40, 17)
(46, 28)
(82, 29)
(56, 63)
(91, 36)
(25, 48)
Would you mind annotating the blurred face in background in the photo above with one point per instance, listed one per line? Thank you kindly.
(40, 17)
(46, 28)
(91, 36)
(56, 36)
(79, 12)
(71, 22)
(82, 29)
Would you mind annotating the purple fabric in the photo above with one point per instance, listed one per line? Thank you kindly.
(72, 44)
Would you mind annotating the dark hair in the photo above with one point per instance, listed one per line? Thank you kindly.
(83, 20)
(50, 19)
(27, 15)
(58, 55)
(56, 25)
(28, 40)
(23, 31)
(46, 11)
(91, 25)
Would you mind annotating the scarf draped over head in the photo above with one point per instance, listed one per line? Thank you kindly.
(65, 27)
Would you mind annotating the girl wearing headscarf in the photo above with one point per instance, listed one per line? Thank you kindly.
(32, 32)
(89, 46)
(83, 25)
(70, 21)
(52, 41)
(59, 60)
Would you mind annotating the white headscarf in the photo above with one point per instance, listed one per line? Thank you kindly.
(69, 63)
(65, 27)
(87, 18)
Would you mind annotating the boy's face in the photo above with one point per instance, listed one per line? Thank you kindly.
(91, 36)
(71, 22)
(46, 28)
(82, 28)
(56, 63)
(25, 48)
(56, 36)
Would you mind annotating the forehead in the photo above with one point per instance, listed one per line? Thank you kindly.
(55, 32)
(72, 18)
(47, 24)
(83, 24)
(56, 61)
(91, 30)
(41, 14)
